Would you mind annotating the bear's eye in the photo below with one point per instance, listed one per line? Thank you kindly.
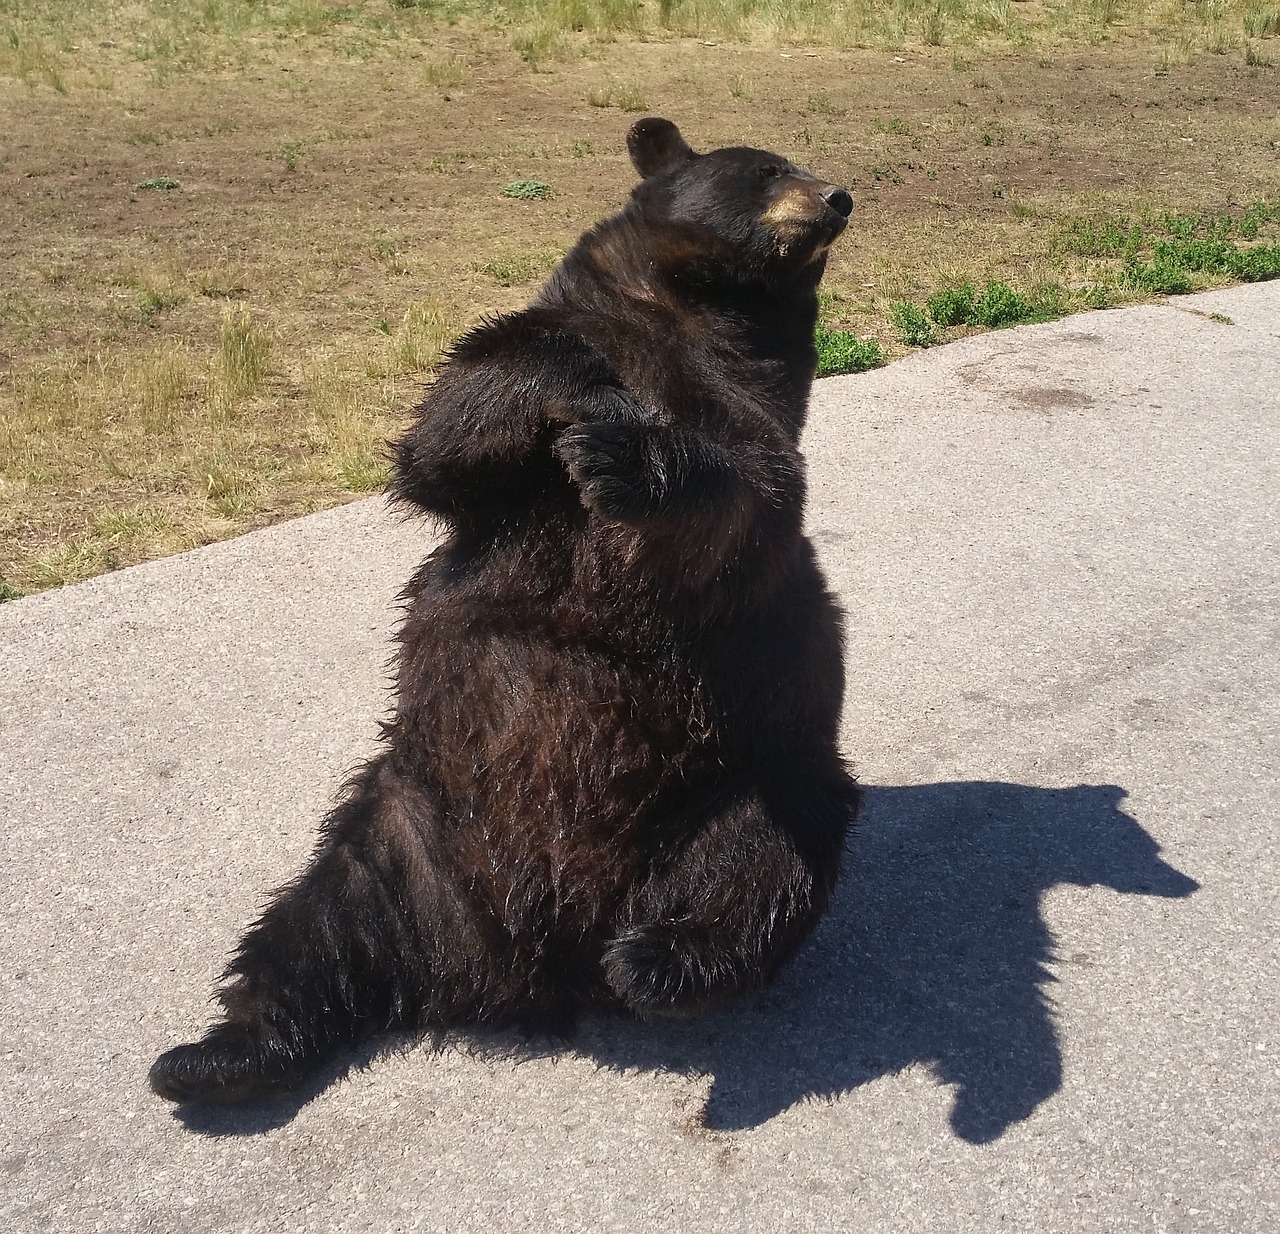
(772, 172)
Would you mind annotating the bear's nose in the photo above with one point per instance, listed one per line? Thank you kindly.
(839, 200)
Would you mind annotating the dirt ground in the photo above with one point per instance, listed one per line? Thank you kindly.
(331, 196)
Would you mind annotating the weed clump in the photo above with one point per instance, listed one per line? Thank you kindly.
(999, 305)
(420, 341)
(513, 271)
(841, 351)
(1174, 261)
(445, 73)
(243, 352)
(910, 324)
(363, 472)
(624, 95)
(952, 306)
(526, 190)
(1262, 21)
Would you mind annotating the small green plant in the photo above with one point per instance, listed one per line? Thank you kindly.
(290, 154)
(910, 324)
(526, 190)
(538, 45)
(999, 305)
(1255, 218)
(1096, 237)
(228, 490)
(445, 73)
(7, 592)
(624, 95)
(1163, 278)
(512, 271)
(952, 306)
(1180, 226)
(157, 183)
(1219, 41)
(820, 104)
(388, 251)
(1255, 58)
(1262, 21)
(154, 300)
(243, 352)
(994, 15)
(1254, 265)
(220, 290)
(841, 351)
(420, 340)
(886, 171)
(1222, 319)
(69, 562)
(361, 472)
(933, 27)
(1097, 295)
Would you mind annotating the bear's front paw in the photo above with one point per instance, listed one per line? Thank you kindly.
(601, 404)
(616, 468)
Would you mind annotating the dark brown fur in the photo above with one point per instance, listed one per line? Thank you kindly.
(612, 775)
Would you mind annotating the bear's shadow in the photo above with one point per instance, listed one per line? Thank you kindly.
(933, 952)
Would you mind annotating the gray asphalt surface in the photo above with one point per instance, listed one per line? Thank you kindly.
(1045, 999)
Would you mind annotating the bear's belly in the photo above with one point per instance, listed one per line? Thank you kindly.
(552, 764)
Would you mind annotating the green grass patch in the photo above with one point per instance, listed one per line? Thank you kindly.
(522, 268)
(526, 190)
(1167, 255)
(999, 305)
(911, 325)
(952, 306)
(362, 472)
(1262, 21)
(841, 351)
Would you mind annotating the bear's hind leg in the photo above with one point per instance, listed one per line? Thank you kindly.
(725, 913)
(337, 955)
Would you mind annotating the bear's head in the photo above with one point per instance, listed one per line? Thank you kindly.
(765, 217)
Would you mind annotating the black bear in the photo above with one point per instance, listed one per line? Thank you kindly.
(612, 775)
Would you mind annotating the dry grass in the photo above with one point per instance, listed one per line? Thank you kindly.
(181, 363)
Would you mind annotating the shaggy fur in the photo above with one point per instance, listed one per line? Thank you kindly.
(612, 776)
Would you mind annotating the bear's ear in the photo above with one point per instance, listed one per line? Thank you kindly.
(656, 146)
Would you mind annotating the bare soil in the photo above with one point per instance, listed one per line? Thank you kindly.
(328, 195)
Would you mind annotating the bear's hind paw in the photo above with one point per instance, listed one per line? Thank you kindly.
(228, 1066)
(666, 969)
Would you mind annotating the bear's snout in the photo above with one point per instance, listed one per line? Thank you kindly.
(840, 200)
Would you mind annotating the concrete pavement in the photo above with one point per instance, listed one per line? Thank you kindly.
(1046, 998)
